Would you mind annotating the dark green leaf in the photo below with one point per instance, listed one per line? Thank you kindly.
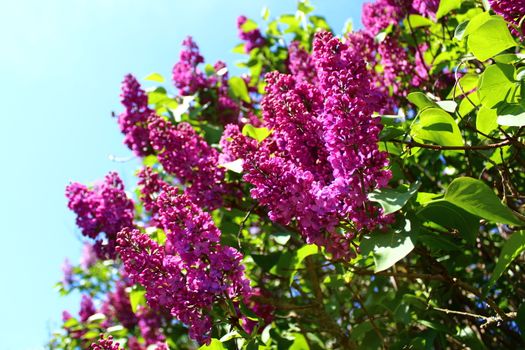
(510, 251)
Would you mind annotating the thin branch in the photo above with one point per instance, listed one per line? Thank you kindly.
(453, 148)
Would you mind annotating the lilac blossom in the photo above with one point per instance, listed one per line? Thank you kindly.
(186, 155)
(322, 158)
(186, 75)
(133, 121)
(105, 344)
(252, 37)
(87, 308)
(192, 271)
(512, 11)
(102, 208)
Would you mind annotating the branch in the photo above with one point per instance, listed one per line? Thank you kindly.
(453, 148)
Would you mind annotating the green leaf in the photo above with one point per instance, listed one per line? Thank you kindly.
(486, 120)
(137, 297)
(266, 262)
(421, 100)
(249, 25)
(256, 133)
(299, 342)
(392, 200)
(496, 84)
(478, 199)
(459, 32)
(451, 217)
(510, 251)
(437, 126)
(445, 6)
(512, 116)
(281, 238)
(490, 38)
(215, 344)
(465, 84)
(155, 77)
(265, 13)
(387, 248)
(235, 166)
(238, 89)
(476, 22)
(417, 21)
(448, 105)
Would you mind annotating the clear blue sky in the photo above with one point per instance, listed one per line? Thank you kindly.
(61, 64)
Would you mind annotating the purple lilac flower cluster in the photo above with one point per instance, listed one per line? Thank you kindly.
(87, 308)
(392, 72)
(378, 15)
(322, 158)
(106, 344)
(300, 63)
(186, 75)
(133, 121)
(251, 37)
(213, 89)
(512, 11)
(103, 208)
(192, 271)
(186, 155)
(117, 306)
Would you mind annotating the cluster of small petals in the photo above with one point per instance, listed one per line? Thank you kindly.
(133, 121)
(150, 324)
(426, 8)
(150, 184)
(186, 155)
(87, 308)
(105, 344)
(192, 271)
(322, 158)
(394, 60)
(252, 38)
(118, 306)
(186, 75)
(512, 11)
(263, 310)
(234, 145)
(103, 208)
(300, 62)
(378, 15)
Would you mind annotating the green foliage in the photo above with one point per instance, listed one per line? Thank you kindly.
(446, 270)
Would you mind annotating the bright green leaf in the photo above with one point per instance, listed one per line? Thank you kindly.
(238, 89)
(215, 344)
(235, 166)
(486, 120)
(299, 342)
(445, 6)
(256, 133)
(437, 126)
(387, 248)
(510, 251)
(421, 100)
(478, 199)
(490, 38)
(155, 77)
(417, 21)
(496, 84)
(392, 200)
(137, 298)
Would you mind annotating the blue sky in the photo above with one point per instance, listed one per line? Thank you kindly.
(61, 64)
